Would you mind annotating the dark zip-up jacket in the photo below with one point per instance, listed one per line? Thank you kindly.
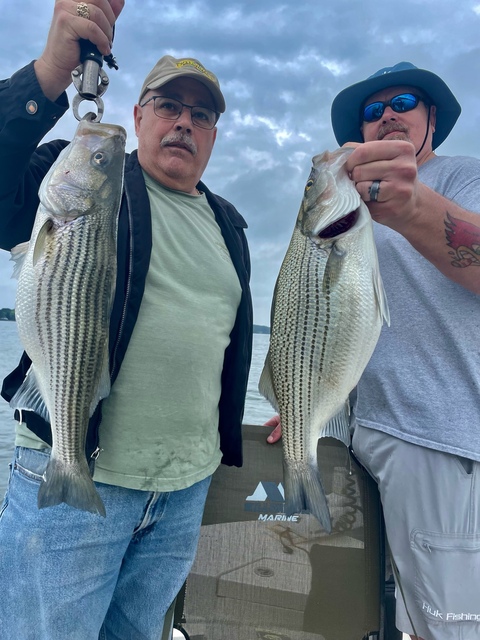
(26, 116)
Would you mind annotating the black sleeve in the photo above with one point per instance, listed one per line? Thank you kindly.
(26, 116)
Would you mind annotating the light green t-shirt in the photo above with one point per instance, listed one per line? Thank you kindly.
(159, 430)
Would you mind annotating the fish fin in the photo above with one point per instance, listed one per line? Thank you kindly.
(304, 492)
(71, 484)
(104, 384)
(29, 397)
(333, 269)
(39, 248)
(265, 384)
(381, 296)
(339, 426)
(17, 256)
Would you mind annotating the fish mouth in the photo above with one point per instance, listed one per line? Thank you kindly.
(67, 182)
(67, 191)
(69, 187)
(342, 225)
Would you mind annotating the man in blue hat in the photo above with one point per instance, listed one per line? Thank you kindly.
(417, 413)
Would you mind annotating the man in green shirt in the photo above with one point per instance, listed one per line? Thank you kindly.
(181, 331)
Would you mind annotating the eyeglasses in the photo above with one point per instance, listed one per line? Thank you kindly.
(400, 104)
(171, 109)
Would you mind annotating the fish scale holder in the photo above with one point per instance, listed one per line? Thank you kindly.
(90, 80)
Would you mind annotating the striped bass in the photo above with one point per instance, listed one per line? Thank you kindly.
(64, 299)
(327, 312)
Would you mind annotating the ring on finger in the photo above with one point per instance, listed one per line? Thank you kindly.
(83, 11)
(374, 190)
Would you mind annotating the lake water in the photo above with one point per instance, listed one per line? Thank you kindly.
(10, 352)
(257, 409)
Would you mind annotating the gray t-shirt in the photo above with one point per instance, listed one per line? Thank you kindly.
(422, 383)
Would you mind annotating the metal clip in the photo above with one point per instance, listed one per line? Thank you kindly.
(96, 453)
(91, 82)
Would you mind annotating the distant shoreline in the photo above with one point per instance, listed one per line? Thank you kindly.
(260, 328)
(8, 315)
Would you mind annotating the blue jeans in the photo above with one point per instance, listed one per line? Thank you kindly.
(67, 574)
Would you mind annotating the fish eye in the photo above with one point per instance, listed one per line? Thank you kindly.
(100, 158)
(309, 184)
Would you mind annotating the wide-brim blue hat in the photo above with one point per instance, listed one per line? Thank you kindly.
(347, 105)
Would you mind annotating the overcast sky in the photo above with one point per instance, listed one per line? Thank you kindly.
(280, 64)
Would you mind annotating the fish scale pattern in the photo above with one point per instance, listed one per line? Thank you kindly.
(75, 352)
(327, 314)
(65, 293)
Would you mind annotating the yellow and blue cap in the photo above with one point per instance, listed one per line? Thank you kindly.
(168, 68)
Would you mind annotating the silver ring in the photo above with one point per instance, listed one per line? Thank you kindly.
(374, 190)
(82, 10)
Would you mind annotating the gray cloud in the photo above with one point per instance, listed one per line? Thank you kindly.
(280, 66)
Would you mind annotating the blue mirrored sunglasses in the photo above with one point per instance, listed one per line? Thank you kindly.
(400, 104)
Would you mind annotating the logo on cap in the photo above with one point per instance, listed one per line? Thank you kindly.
(197, 66)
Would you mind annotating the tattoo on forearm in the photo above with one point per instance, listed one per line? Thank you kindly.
(464, 238)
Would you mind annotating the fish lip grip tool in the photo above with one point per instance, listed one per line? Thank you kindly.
(90, 80)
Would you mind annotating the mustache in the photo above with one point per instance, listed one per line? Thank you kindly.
(390, 127)
(182, 138)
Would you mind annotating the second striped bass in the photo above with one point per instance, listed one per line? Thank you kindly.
(327, 312)
(65, 293)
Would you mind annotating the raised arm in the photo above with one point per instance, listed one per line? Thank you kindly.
(431, 223)
(62, 52)
(31, 103)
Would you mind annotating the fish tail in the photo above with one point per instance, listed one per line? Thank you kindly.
(304, 492)
(71, 484)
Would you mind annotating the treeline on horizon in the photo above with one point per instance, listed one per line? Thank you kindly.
(9, 314)
(260, 328)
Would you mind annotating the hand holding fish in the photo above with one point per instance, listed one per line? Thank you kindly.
(62, 52)
(276, 434)
(393, 164)
(410, 207)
